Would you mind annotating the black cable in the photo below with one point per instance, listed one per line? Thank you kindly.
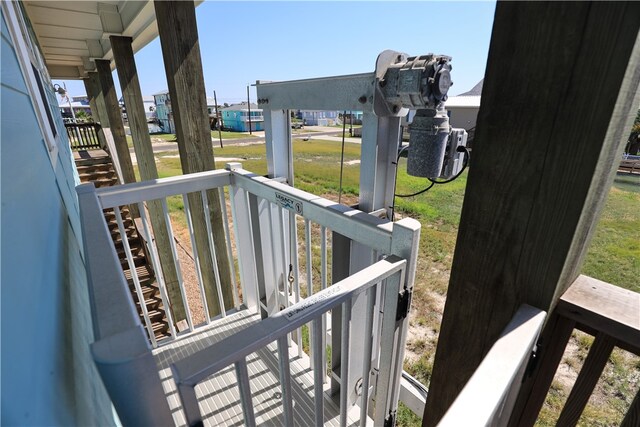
(344, 128)
(417, 193)
(433, 182)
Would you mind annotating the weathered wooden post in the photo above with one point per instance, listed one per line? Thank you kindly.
(112, 112)
(90, 85)
(550, 131)
(178, 32)
(128, 76)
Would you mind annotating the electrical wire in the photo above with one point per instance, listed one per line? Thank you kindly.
(344, 128)
(433, 182)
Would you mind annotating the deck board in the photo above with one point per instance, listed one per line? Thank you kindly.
(218, 396)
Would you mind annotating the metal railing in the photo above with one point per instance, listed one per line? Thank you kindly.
(384, 278)
(83, 136)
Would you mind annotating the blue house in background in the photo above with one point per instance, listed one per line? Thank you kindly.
(163, 111)
(236, 117)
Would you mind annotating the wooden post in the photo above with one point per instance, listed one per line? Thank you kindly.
(91, 86)
(181, 53)
(112, 109)
(101, 109)
(550, 132)
(128, 76)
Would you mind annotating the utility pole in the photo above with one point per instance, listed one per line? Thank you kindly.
(249, 107)
(218, 125)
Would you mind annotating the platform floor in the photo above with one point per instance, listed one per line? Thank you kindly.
(219, 396)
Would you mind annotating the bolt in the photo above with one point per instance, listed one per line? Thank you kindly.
(362, 99)
(395, 109)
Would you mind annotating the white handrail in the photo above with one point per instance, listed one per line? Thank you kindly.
(195, 368)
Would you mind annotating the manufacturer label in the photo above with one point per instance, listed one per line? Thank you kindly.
(292, 313)
(289, 203)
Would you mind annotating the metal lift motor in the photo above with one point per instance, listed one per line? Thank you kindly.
(421, 83)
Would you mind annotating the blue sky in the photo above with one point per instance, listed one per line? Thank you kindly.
(242, 42)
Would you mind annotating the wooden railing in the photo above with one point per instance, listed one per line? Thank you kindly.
(493, 396)
(607, 312)
(83, 136)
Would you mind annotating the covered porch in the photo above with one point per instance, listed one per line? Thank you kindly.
(528, 216)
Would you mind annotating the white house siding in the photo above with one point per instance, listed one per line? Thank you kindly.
(48, 375)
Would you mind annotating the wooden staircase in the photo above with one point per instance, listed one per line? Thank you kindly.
(96, 166)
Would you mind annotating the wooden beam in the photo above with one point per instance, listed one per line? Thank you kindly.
(112, 112)
(549, 135)
(90, 85)
(178, 33)
(101, 108)
(130, 85)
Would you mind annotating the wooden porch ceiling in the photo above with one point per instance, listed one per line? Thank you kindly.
(74, 33)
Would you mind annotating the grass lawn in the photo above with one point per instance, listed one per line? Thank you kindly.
(614, 255)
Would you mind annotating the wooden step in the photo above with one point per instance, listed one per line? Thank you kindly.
(97, 175)
(105, 182)
(161, 330)
(138, 260)
(151, 303)
(145, 274)
(105, 165)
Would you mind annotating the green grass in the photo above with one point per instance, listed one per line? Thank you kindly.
(614, 254)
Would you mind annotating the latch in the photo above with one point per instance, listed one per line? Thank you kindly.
(390, 420)
(404, 303)
(533, 361)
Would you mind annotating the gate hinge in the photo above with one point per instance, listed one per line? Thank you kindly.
(533, 361)
(404, 303)
(390, 420)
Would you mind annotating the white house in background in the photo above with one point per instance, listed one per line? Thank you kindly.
(463, 109)
(78, 103)
(317, 118)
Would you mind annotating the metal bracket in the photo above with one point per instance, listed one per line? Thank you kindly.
(533, 362)
(404, 304)
(390, 420)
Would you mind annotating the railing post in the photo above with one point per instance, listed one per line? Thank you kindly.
(121, 352)
(242, 225)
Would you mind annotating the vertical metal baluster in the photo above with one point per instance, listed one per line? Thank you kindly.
(196, 257)
(158, 270)
(293, 239)
(273, 255)
(387, 367)
(285, 381)
(345, 339)
(214, 256)
(309, 260)
(227, 235)
(285, 270)
(318, 374)
(174, 250)
(134, 275)
(368, 347)
(323, 280)
(245, 392)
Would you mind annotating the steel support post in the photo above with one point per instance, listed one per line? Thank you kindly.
(380, 139)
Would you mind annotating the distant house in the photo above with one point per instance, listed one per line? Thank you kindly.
(164, 112)
(149, 107)
(78, 103)
(463, 109)
(317, 118)
(236, 117)
(211, 109)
